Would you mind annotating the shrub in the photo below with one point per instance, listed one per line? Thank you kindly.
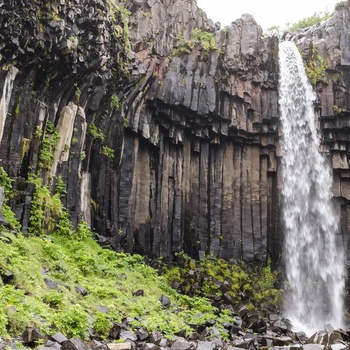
(73, 322)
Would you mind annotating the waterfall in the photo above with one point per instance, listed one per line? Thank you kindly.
(6, 96)
(314, 258)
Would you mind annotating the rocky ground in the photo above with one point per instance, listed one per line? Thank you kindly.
(249, 331)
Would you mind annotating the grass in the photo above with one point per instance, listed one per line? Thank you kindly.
(60, 279)
(109, 278)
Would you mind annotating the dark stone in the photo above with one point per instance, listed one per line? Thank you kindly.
(81, 290)
(50, 283)
(281, 341)
(53, 344)
(128, 335)
(142, 333)
(114, 332)
(31, 335)
(58, 337)
(181, 344)
(259, 326)
(165, 301)
(301, 336)
(97, 345)
(280, 325)
(75, 344)
(156, 337)
(7, 277)
(138, 293)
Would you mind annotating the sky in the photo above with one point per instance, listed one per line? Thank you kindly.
(267, 13)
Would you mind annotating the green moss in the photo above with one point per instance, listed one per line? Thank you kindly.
(109, 278)
(115, 102)
(317, 17)
(107, 151)
(245, 284)
(316, 67)
(9, 215)
(96, 132)
(48, 146)
(120, 19)
(204, 39)
(45, 209)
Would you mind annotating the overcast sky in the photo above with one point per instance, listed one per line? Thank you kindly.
(267, 13)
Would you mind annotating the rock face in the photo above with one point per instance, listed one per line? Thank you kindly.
(181, 154)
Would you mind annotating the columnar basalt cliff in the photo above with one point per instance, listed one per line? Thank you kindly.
(168, 129)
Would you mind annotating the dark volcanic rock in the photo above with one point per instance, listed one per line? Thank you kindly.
(190, 154)
(75, 344)
(165, 301)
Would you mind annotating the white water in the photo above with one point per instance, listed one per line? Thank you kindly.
(6, 96)
(314, 260)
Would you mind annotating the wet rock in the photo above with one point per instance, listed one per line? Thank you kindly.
(281, 341)
(339, 346)
(337, 335)
(301, 336)
(320, 337)
(281, 326)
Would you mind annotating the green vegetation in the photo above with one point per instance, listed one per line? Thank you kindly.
(107, 151)
(6, 183)
(204, 39)
(120, 18)
(96, 132)
(109, 279)
(316, 67)
(252, 286)
(48, 146)
(46, 210)
(61, 279)
(317, 17)
(115, 101)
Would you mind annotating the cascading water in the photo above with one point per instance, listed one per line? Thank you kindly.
(314, 260)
